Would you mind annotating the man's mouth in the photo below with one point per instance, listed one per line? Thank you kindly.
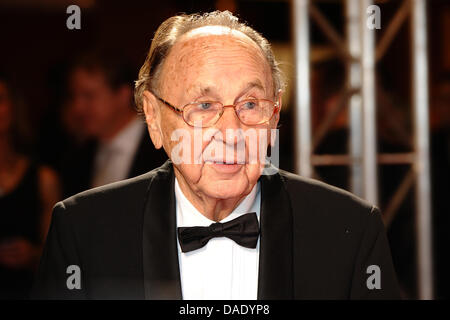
(225, 167)
(223, 162)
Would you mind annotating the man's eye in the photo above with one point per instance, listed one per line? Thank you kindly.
(250, 105)
(204, 105)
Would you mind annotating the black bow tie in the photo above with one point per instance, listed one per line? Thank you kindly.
(243, 230)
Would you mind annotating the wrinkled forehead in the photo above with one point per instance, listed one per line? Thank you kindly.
(207, 46)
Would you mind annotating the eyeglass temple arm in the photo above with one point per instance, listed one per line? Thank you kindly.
(167, 103)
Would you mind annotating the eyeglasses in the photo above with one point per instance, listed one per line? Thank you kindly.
(206, 113)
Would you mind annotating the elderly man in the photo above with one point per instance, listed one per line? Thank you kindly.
(208, 224)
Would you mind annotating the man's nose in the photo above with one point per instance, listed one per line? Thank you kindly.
(229, 119)
(232, 135)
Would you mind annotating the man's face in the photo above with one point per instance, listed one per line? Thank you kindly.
(225, 68)
(93, 103)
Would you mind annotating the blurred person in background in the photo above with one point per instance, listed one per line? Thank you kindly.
(28, 192)
(100, 110)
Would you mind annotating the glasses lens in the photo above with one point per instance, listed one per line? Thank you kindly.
(202, 114)
(255, 111)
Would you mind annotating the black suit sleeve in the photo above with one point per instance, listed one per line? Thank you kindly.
(374, 275)
(59, 253)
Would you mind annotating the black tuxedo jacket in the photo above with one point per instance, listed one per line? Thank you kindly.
(78, 164)
(316, 242)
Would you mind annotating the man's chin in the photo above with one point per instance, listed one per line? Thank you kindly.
(227, 189)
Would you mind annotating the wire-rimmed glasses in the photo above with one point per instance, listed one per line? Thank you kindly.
(203, 114)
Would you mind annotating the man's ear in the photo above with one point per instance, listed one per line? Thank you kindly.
(276, 116)
(275, 119)
(152, 118)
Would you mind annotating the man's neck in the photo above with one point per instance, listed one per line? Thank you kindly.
(212, 208)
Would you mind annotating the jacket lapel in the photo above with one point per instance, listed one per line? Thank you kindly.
(275, 280)
(160, 253)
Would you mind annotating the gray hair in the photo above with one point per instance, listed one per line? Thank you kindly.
(173, 28)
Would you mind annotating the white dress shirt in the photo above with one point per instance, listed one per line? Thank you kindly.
(113, 159)
(221, 270)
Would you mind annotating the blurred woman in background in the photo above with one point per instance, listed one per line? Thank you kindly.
(28, 192)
